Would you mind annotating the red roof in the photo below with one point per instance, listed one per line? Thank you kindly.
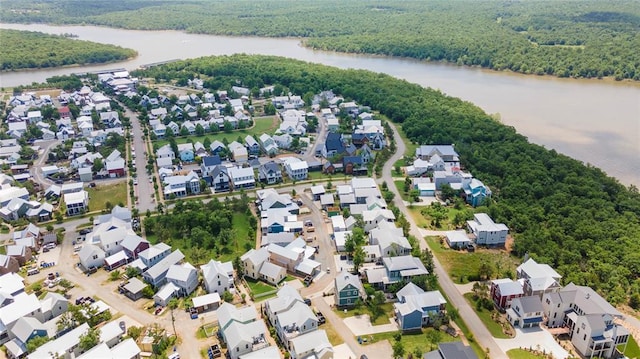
(64, 109)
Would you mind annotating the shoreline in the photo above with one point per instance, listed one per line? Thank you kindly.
(302, 42)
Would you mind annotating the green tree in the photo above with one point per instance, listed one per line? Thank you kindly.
(36, 342)
(398, 348)
(358, 258)
(227, 296)
(173, 305)
(89, 339)
(206, 143)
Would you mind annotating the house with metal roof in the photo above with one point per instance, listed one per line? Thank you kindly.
(452, 350)
(218, 276)
(416, 308)
(156, 275)
(347, 289)
(503, 291)
(314, 344)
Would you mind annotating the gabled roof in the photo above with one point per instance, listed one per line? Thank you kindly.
(256, 256)
(344, 279)
(334, 142)
(228, 313)
(166, 262)
(24, 328)
(529, 304)
(208, 161)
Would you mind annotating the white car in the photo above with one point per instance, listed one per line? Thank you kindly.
(135, 182)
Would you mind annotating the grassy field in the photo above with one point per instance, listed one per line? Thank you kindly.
(262, 125)
(485, 315)
(633, 351)
(383, 319)
(522, 354)
(333, 336)
(463, 266)
(400, 186)
(116, 194)
(411, 341)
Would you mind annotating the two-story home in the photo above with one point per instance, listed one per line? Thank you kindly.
(253, 147)
(184, 276)
(289, 315)
(154, 254)
(525, 312)
(209, 163)
(296, 169)
(165, 152)
(269, 146)
(241, 329)
(503, 291)
(589, 319)
(390, 239)
(156, 275)
(218, 276)
(452, 350)
(257, 266)
(186, 153)
(239, 153)
(475, 192)
(373, 218)
(219, 179)
(446, 152)
(217, 147)
(487, 232)
(348, 289)
(182, 185)
(538, 278)
(76, 203)
(416, 308)
(396, 269)
(333, 145)
(242, 177)
(270, 173)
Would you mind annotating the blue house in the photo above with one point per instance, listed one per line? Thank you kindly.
(416, 308)
(333, 145)
(476, 192)
(186, 153)
(253, 147)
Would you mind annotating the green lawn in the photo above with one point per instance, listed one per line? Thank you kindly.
(522, 354)
(485, 315)
(633, 351)
(116, 194)
(463, 266)
(383, 319)
(400, 186)
(411, 341)
(262, 125)
(258, 287)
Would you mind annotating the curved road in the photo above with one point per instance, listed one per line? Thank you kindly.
(475, 325)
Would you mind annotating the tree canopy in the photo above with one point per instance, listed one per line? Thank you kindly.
(562, 38)
(27, 49)
(560, 211)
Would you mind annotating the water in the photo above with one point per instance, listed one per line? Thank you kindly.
(597, 122)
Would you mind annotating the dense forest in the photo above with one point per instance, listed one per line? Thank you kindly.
(561, 38)
(561, 212)
(28, 50)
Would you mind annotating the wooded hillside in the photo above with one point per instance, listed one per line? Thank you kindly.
(28, 50)
(562, 38)
(572, 216)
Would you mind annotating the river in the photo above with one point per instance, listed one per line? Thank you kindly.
(597, 122)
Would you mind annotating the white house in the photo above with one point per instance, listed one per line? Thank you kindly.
(218, 276)
(487, 232)
(184, 276)
(296, 168)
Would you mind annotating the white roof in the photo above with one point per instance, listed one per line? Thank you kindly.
(76, 197)
(315, 341)
(115, 258)
(206, 299)
(167, 291)
(125, 349)
(11, 283)
(270, 352)
(61, 345)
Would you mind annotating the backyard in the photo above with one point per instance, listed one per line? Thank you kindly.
(464, 267)
(260, 290)
(261, 125)
(387, 310)
(632, 350)
(425, 341)
(523, 354)
(100, 197)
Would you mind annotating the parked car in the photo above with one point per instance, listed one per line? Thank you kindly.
(321, 318)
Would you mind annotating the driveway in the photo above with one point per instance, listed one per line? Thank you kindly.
(361, 325)
(534, 338)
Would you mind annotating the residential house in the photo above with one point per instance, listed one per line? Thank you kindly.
(184, 276)
(348, 289)
(76, 203)
(199, 149)
(296, 169)
(457, 239)
(217, 147)
(185, 151)
(333, 145)
(396, 269)
(317, 191)
(91, 256)
(207, 302)
(589, 319)
(164, 163)
(283, 141)
(487, 232)
(270, 173)
(218, 276)
(181, 185)
(209, 163)
(257, 266)
(253, 147)
(374, 217)
(503, 291)
(525, 312)
(314, 344)
(66, 346)
(154, 254)
(8, 264)
(475, 192)
(239, 330)
(20, 252)
(167, 292)
(242, 177)
(390, 239)
(289, 315)
(353, 165)
(156, 275)
(538, 278)
(115, 164)
(134, 288)
(327, 201)
(134, 245)
(220, 180)
(165, 152)
(446, 152)
(239, 153)
(452, 350)
(416, 308)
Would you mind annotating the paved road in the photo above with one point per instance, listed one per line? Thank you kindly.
(480, 332)
(37, 172)
(144, 189)
(321, 133)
